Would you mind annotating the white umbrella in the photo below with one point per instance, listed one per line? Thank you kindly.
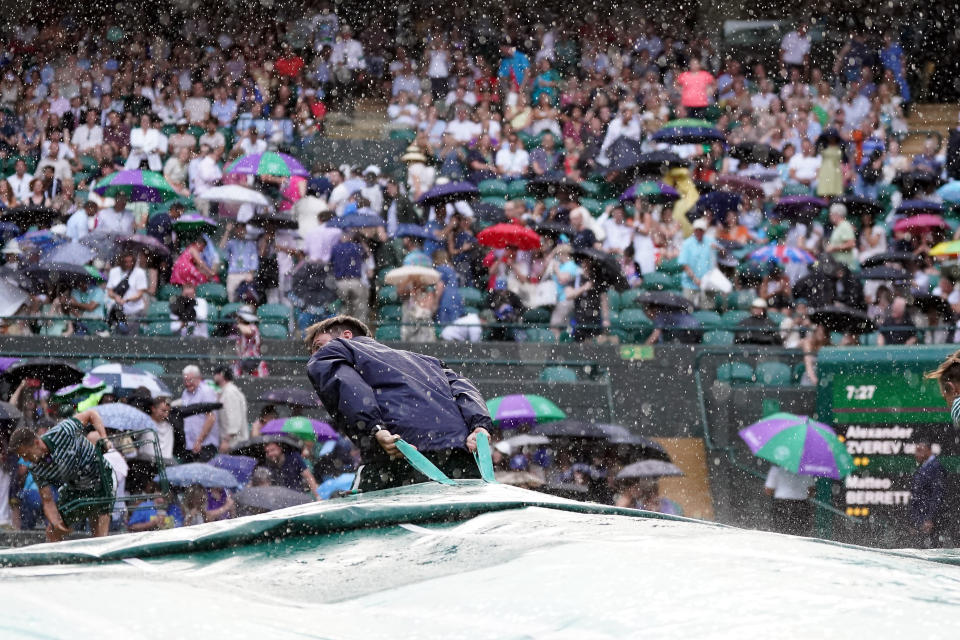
(11, 298)
(526, 440)
(425, 275)
(649, 469)
(235, 194)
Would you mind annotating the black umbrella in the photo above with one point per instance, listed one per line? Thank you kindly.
(550, 185)
(890, 274)
(555, 229)
(756, 152)
(259, 499)
(25, 217)
(138, 242)
(916, 180)
(649, 469)
(627, 443)
(830, 136)
(837, 318)
(624, 155)
(927, 302)
(196, 409)
(899, 257)
(254, 447)
(9, 413)
(312, 285)
(60, 273)
(291, 397)
(569, 490)
(657, 163)
(606, 269)
(717, 202)
(53, 374)
(449, 192)
(857, 206)
(664, 299)
(275, 219)
(569, 429)
(488, 212)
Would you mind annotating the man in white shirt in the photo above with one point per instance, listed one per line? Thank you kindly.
(619, 235)
(88, 135)
(855, 106)
(468, 328)
(197, 106)
(211, 137)
(625, 125)
(208, 174)
(126, 287)
(201, 431)
(232, 418)
(146, 143)
(82, 221)
(795, 47)
(347, 52)
(318, 243)
(20, 181)
(371, 190)
(512, 160)
(804, 166)
(252, 142)
(792, 513)
(402, 112)
(61, 168)
(462, 128)
(116, 219)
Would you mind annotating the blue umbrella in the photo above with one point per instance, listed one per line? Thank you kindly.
(123, 417)
(915, 207)
(71, 253)
(184, 475)
(718, 202)
(406, 230)
(950, 192)
(449, 192)
(8, 229)
(240, 466)
(357, 221)
(688, 135)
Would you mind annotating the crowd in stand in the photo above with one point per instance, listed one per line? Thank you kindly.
(497, 108)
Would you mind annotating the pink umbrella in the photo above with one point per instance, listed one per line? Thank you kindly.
(919, 223)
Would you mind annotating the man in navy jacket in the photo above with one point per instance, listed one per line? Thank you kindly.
(377, 395)
(927, 496)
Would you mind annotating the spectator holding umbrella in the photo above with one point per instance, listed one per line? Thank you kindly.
(201, 430)
(288, 469)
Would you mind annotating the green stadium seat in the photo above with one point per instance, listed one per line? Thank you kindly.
(493, 188)
(277, 314)
(272, 331)
(388, 333)
(539, 334)
(168, 291)
(795, 189)
(735, 373)
(212, 292)
(405, 135)
(159, 309)
(590, 189)
(797, 372)
(151, 367)
(158, 329)
(610, 202)
(540, 315)
(657, 281)
(628, 299)
(709, 320)
(731, 319)
(613, 300)
(388, 295)
(594, 206)
(390, 313)
(718, 338)
(773, 374)
(473, 297)
(740, 300)
(636, 323)
(869, 339)
(516, 189)
(558, 374)
(497, 201)
(550, 203)
(776, 317)
(229, 310)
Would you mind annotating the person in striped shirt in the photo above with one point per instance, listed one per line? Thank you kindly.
(948, 375)
(66, 457)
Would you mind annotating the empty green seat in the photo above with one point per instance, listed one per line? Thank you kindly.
(151, 367)
(718, 338)
(636, 323)
(776, 317)
(388, 333)
(274, 331)
(390, 313)
(773, 374)
(735, 373)
(590, 189)
(709, 320)
(613, 300)
(670, 266)
(516, 189)
(274, 314)
(168, 291)
(156, 329)
(740, 300)
(229, 310)
(493, 188)
(539, 334)
(558, 374)
(405, 135)
(540, 315)
(212, 292)
(497, 201)
(869, 339)
(657, 281)
(159, 309)
(594, 206)
(731, 319)
(473, 297)
(388, 295)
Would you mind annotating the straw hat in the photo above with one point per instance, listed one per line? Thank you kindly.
(12, 246)
(247, 314)
(413, 154)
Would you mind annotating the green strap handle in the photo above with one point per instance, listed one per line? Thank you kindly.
(484, 458)
(419, 462)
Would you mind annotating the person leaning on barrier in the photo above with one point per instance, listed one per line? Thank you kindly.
(377, 395)
(67, 458)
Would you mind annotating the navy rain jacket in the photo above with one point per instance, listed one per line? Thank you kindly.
(363, 383)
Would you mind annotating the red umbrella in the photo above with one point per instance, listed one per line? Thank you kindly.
(739, 184)
(501, 236)
(919, 223)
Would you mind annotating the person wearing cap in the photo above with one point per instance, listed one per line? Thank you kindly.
(697, 257)
(843, 239)
(372, 190)
(757, 328)
(366, 387)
